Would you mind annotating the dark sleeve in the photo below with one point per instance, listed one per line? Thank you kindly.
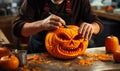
(88, 15)
(26, 14)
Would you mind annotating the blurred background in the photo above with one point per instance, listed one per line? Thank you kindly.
(107, 10)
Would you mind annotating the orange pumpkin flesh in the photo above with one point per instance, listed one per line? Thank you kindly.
(111, 44)
(65, 43)
(4, 51)
(9, 62)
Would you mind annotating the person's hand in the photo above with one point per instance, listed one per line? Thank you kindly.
(52, 22)
(86, 30)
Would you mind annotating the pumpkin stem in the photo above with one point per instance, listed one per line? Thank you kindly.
(112, 35)
(9, 56)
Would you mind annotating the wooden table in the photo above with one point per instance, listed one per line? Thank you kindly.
(53, 64)
(104, 14)
(3, 39)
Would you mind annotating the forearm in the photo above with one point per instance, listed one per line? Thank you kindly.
(31, 28)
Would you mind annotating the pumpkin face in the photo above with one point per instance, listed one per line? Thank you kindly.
(65, 43)
(9, 62)
(111, 44)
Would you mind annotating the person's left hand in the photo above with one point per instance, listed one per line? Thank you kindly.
(86, 30)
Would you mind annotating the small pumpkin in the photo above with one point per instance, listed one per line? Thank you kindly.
(111, 44)
(4, 51)
(65, 43)
(9, 62)
(109, 8)
(116, 56)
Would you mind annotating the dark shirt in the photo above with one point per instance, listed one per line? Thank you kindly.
(33, 10)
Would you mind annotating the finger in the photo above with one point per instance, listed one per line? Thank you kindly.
(81, 28)
(88, 31)
(59, 19)
(90, 34)
(54, 26)
(62, 21)
(84, 30)
(54, 23)
(55, 19)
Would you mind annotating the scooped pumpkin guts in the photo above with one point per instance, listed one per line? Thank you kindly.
(65, 43)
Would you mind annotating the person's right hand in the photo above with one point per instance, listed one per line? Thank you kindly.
(52, 22)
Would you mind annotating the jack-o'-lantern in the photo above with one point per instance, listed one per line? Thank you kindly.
(65, 43)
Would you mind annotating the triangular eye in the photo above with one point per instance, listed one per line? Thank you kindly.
(63, 36)
(77, 37)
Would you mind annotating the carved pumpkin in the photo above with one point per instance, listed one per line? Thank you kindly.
(4, 51)
(111, 44)
(9, 62)
(65, 43)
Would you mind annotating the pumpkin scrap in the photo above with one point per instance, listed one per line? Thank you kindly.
(38, 59)
(65, 43)
(26, 68)
(67, 63)
(90, 58)
(103, 57)
(84, 62)
(34, 57)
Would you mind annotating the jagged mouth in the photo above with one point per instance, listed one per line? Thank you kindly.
(69, 51)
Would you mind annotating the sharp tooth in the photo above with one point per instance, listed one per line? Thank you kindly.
(67, 52)
(71, 52)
